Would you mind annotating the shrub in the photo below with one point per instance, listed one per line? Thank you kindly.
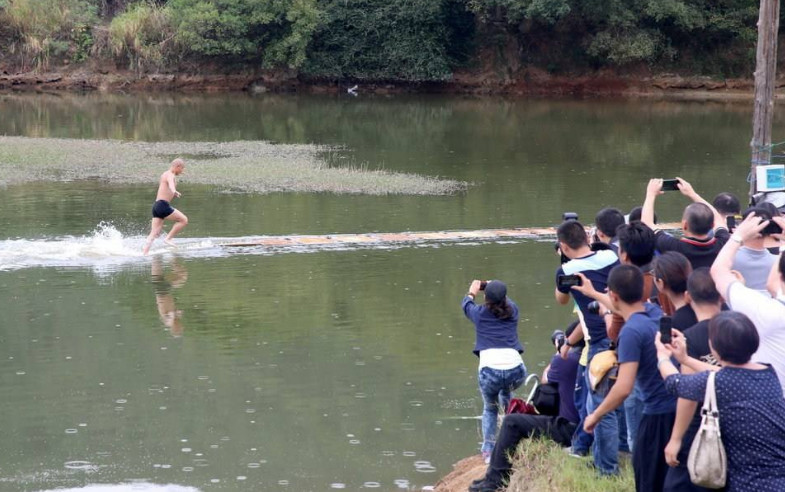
(140, 35)
(275, 32)
(411, 40)
(46, 28)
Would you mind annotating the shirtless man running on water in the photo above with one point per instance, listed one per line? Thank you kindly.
(162, 210)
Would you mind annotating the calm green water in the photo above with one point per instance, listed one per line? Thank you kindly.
(301, 370)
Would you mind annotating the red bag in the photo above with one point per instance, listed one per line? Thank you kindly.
(517, 405)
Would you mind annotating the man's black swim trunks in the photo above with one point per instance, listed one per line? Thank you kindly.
(162, 209)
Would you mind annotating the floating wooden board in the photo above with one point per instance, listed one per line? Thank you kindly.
(405, 237)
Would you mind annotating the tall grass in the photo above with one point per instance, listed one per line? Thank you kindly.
(43, 29)
(542, 466)
(142, 35)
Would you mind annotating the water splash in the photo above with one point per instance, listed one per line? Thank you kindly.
(105, 248)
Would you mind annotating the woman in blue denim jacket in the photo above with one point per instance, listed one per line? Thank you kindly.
(501, 368)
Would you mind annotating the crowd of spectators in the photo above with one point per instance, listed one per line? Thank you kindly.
(717, 289)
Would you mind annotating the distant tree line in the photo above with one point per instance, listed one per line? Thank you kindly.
(383, 40)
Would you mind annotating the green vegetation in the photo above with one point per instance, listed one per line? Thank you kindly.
(258, 167)
(38, 30)
(141, 34)
(384, 40)
(543, 466)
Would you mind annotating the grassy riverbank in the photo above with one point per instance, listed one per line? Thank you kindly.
(542, 466)
(245, 166)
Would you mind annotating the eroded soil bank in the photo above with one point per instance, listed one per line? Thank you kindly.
(524, 82)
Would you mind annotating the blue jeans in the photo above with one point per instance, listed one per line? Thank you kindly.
(496, 387)
(606, 435)
(633, 409)
(582, 440)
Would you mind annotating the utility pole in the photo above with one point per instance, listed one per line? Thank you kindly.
(765, 73)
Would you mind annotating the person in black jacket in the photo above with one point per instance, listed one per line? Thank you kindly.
(517, 426)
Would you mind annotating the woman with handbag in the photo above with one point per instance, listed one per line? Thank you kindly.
(501, 368)
(747, 400)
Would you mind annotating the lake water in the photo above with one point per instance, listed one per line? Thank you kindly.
(301, 369)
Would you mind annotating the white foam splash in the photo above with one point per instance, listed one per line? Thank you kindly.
(105, 248)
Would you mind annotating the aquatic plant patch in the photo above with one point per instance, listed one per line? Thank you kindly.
(242, 166)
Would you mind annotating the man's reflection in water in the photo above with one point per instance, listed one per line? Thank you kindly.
(163, 283)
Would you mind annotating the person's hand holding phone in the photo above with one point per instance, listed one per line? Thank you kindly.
(686, 188)
(585, 287)
(750, 227)
(654, 187)
(666, 323)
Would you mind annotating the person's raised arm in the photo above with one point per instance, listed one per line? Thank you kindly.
(678, 350)
(470, 309)
(721, 269)
(653, 189)
(687, 190)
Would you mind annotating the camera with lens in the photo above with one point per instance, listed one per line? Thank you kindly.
(483, 284)
(558, 338)
(593, 307)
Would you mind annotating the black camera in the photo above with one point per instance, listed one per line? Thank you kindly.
(593, 307)
(483, 284)
(558, 338)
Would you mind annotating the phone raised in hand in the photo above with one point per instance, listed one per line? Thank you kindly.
(569, 280)
(666, 323)
(670, 185)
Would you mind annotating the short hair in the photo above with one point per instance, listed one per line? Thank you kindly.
(637, 241)
(608, 220)
(572, 234)
(636, 213)
(699, 217)
(626, 281)
(769, 207)
(673, 269)
(702, 288)
(733, 336)
(726, 203)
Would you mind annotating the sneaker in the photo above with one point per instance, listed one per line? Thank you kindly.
(478, 481)
(576, 453)
(484, 486)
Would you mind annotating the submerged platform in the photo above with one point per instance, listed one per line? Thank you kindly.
(534, 233)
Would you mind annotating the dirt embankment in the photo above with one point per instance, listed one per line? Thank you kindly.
(521, 81)
(459, 479)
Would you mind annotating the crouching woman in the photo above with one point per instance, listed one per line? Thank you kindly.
(501, 368)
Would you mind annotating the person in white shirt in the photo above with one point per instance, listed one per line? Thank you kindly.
(766, 313)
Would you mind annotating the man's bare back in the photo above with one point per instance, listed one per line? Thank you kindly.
(163, 210)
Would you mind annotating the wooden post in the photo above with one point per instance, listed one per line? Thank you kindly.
(765, 73)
